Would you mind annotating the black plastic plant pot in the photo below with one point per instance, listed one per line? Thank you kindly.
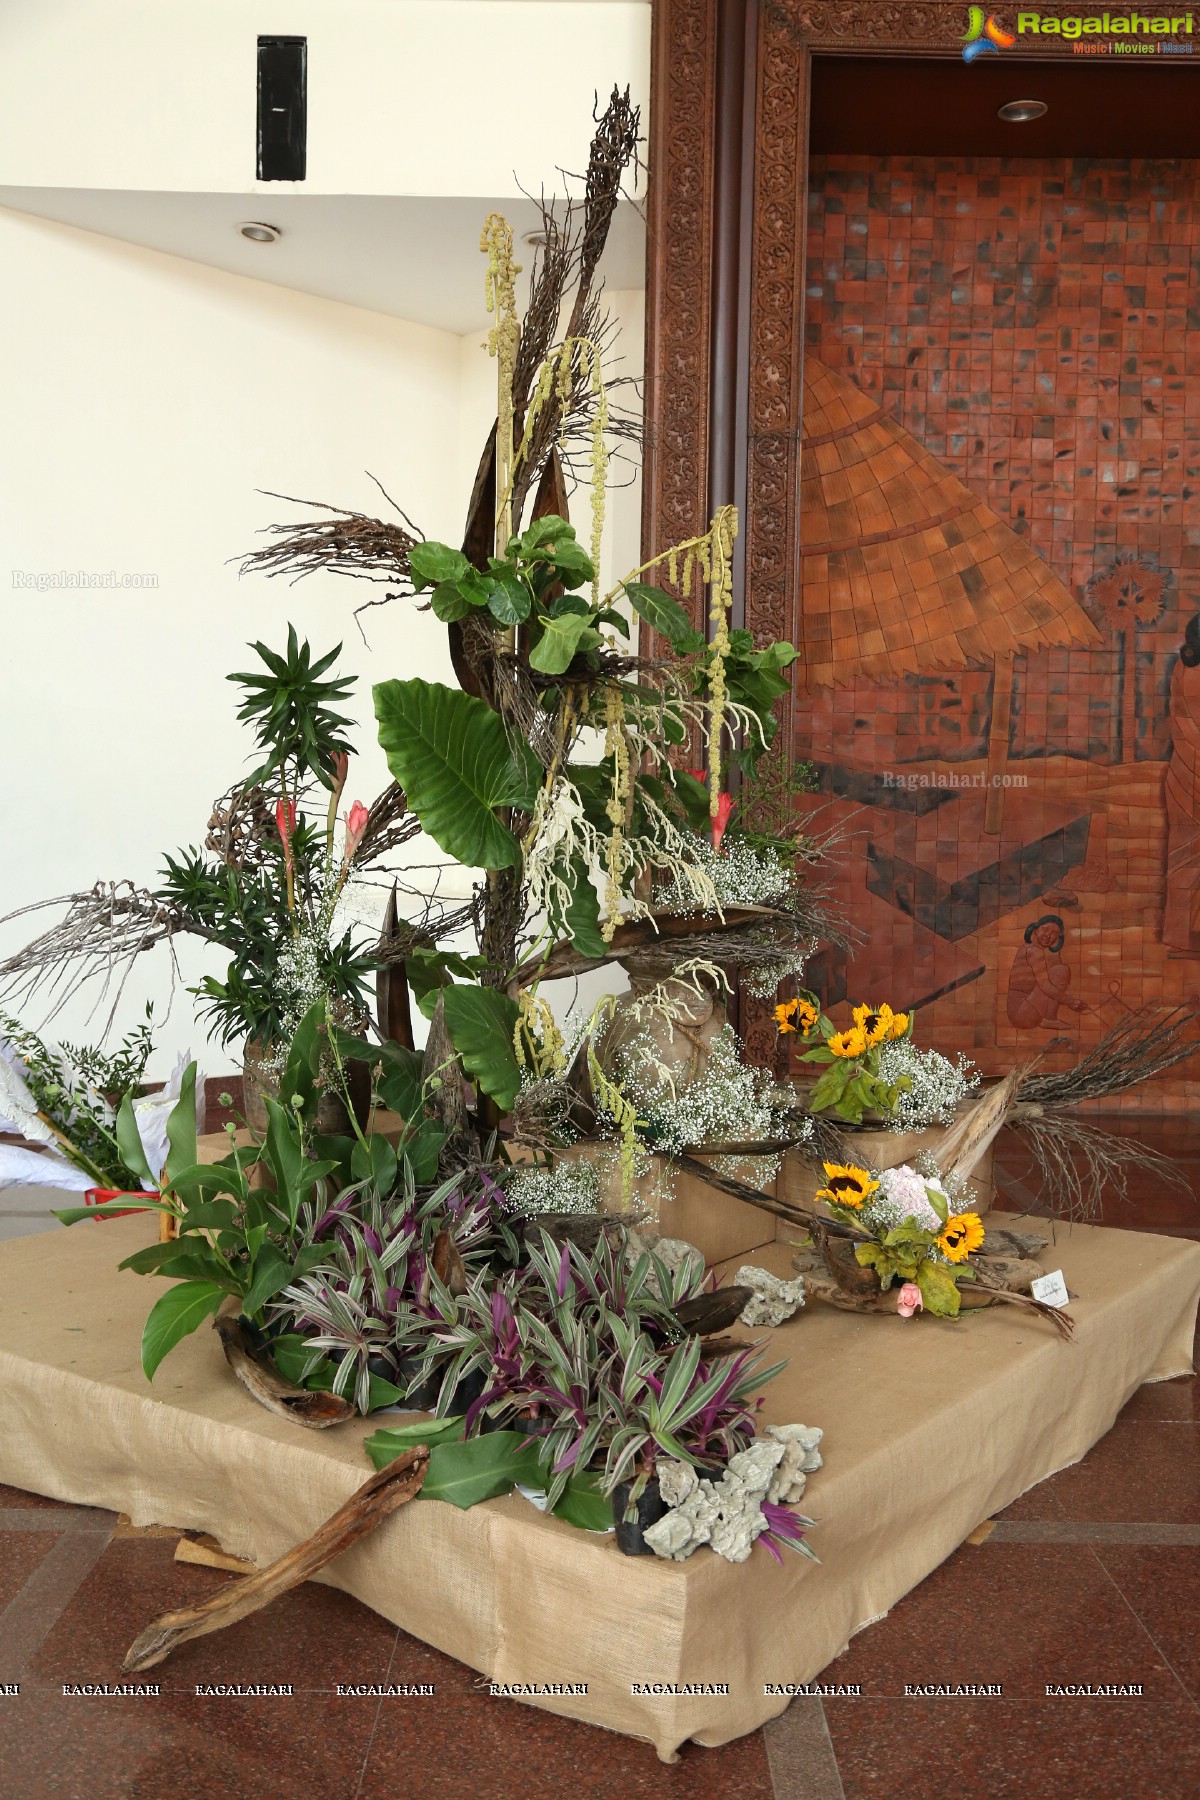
(631, 1534)
(423, 1398)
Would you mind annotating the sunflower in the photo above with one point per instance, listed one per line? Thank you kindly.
(851, 1043)
(960, 1235)
(796, 1015)
(847, 1185)
(878, 1023)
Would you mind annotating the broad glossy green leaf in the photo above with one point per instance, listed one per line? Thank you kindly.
(304, 1060)
(284, 1157)
(510, 601)
(176, 1313)
(400, 1080)
(431, 562)
(456, 763)
(481, 1022)
(561, 641)
(582, 920)
(272, 1271)
(583, 1504)
(450, 603)
(480, 1468)
(391, 1441)
(661, 611)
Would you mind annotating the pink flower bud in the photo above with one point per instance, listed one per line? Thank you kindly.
(356, 824)
(285, 820)
(909, 1300)
(725, 805)
(339, 766)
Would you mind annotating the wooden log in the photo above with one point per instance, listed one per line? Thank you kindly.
(373, 1502)
(316, 1410)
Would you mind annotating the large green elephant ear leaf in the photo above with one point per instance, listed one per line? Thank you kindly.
(457, 764)
(481, 1022)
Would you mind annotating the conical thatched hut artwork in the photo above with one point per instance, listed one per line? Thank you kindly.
(999, 605)
(906, 571)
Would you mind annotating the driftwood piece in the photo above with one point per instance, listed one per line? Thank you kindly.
(386, 1490)
(316, 1410)
(963, 1144)
(713, 1311)
(791, 1210)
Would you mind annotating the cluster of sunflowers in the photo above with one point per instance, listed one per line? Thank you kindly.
(916, 1239)
(855, 1080)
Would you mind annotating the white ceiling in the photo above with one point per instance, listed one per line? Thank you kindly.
(413, 258)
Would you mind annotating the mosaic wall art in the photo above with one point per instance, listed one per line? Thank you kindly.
(1001, 589)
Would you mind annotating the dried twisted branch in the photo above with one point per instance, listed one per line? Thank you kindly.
(346, 543)
(102, 933)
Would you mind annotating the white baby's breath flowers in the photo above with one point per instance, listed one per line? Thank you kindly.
(571, 1186)
(741, 875)
(728, 1101)
(936, 1086)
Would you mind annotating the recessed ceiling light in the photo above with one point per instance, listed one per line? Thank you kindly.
(1018, 112)
(537, 240)
(260, 234)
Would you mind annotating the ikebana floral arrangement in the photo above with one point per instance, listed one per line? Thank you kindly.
(914, 1237)
(872, 1066)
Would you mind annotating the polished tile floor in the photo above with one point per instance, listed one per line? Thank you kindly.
(1092, 1577)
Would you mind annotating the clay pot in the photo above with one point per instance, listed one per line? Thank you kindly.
(260, 1083)
(681, 1045)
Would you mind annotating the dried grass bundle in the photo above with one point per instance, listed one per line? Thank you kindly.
(345, 543)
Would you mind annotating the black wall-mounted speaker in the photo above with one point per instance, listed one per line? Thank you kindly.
(282, 108)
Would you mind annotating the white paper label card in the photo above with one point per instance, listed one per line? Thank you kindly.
(1050, 1289)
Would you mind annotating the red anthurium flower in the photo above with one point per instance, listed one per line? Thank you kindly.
(725, 805)
(356, 824)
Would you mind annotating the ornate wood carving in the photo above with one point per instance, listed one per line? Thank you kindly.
(679, 308)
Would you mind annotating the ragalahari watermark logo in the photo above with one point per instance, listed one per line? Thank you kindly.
(1090, 34)
(984, 37)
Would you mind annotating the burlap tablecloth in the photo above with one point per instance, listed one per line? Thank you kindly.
(929, 1428)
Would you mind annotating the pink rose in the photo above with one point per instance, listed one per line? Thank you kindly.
(909, 1301)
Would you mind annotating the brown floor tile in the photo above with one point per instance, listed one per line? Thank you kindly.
(1018, 1614)
(1013, 1750)
(309, 1637)
(506, 1751)
(17, 1497)
(176, 1747)
(1143, 1470)
(1167, 1402)
(1037, 1502)
(1163, 1587)
(20, 1554)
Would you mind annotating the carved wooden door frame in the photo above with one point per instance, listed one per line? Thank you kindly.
(725, 277)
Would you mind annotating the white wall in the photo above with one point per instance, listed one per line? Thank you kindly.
(145, 398)
(436, 97)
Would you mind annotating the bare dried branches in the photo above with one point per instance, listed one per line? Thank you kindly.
(1141, 1047)
(103, 931)
(346, 543)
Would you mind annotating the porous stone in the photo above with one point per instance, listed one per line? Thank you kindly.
(774, 1299)
(800, 1458)
(676, 1253)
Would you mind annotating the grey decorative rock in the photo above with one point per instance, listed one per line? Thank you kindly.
(774, 1300)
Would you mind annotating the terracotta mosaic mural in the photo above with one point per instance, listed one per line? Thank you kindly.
(1000, 516)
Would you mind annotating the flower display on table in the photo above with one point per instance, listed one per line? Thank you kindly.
(907, 1233)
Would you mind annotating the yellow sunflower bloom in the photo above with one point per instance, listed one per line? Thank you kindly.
(850, 1043)
(785, 1014)
(878, 1023)
(847, 1185)
(806, 1017)
(960, 1235)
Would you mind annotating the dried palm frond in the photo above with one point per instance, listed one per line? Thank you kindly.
(102, 933)
(241, 827)
(1144, 1045)
(1080, 1162)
